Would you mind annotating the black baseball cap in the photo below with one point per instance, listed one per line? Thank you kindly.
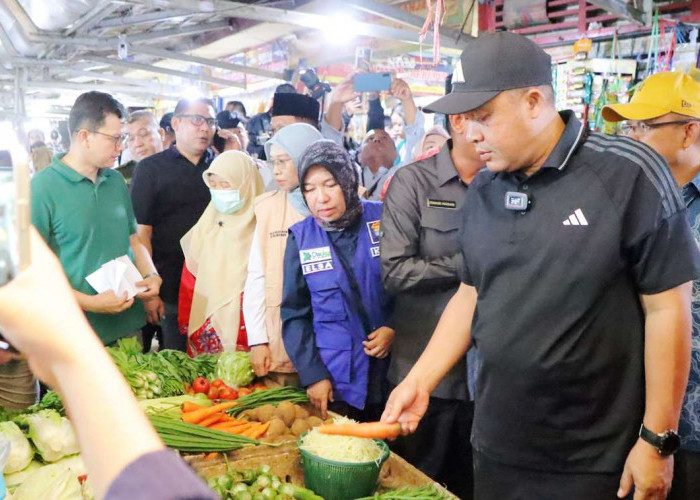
(491, 64)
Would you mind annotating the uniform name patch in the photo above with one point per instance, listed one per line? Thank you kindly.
(375, 231)
(442, 204)
(314, 255)
(316, 267)
(278, 234)
(374, 251)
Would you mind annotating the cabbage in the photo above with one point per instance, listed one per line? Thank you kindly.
(16, 478)
(235, 369)
(51, 482)
(341, 448)
(52, 435)
(21, 452)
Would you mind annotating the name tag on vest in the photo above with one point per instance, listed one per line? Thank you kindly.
(442, 204)
(375, 231)
(314, 260)
(374, 251)
(278, 234)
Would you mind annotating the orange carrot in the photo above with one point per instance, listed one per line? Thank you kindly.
(188, 406)
(252, 430)
(229, 425)
(257, 433)
(194, 417)
(211, 420)
(374, 430)
(210, 456)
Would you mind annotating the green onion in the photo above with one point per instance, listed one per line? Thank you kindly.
(270, 396)
(194, 438)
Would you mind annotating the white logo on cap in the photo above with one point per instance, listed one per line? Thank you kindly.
(458, 74)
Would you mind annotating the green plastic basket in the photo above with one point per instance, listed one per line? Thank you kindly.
(341, 480)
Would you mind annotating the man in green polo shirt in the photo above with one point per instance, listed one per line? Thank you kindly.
(81, 207)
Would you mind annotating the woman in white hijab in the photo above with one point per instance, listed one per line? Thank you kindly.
(216, 257)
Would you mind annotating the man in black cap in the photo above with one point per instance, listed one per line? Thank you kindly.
(577, 263)
(168, 132)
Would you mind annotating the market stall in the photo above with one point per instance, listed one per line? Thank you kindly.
(247, 440)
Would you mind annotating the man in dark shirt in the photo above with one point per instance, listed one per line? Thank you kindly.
(421, 264)
(169, 196)
(575, 289)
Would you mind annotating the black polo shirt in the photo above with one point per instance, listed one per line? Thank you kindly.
(168, 193)
(559, 321)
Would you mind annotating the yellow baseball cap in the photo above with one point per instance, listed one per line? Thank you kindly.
(662, 93)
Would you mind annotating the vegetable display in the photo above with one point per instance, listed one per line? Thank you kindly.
(286, 422)
(341, 448)
(197, 439)
(171, 407)
(21, 452)
(429, 492)
(259, 483)
(235, 369)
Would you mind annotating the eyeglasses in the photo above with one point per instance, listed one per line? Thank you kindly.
(118, 140)
(198, 120)
(281, 163)
(641, 128)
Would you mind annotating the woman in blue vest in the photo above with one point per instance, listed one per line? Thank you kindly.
(335, 314)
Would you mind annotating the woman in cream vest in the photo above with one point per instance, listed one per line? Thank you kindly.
(275, 212)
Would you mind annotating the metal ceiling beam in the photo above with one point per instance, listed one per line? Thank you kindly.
(164, 71)
(169, 54)
(623, 9)
(123, 89)
(299, 18)
(398, 15)
(94, 15)
(96, 75)
(169, 33)
(154, 17)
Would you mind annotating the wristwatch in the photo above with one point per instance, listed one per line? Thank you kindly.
(666, 443)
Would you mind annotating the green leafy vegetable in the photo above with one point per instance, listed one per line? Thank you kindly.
(50, 481)
(16, 478)
(235, 369)
(160, 373)
(50, 401)
(428, 492)
(52, 435)
(21, 452)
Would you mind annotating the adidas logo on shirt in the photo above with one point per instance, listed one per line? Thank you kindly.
(576, 219)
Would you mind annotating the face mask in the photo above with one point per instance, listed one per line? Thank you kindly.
(226, 201)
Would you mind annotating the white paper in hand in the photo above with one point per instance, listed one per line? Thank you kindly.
(119, 275)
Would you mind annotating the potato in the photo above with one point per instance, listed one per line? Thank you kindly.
(315, 422)
(265, 413)
(300, 412)
(329, 421)
(276, 428)
(285, 411)
(300, 426)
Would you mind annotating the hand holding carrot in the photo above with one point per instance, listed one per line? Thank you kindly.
(378, 343)
(407, 404)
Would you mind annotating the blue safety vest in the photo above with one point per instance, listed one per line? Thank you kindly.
(337, 323)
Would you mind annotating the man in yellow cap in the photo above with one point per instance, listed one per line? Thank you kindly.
(665, 115)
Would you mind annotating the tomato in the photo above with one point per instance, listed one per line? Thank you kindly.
(227, 393)
(244, 391)
(218, 383)
(201, 385)
(213, 393)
